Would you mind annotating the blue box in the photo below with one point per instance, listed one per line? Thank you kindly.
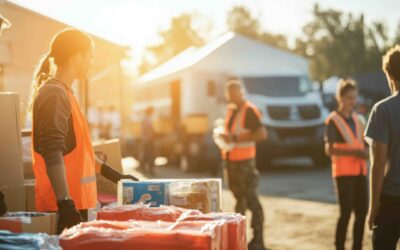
(149, 192)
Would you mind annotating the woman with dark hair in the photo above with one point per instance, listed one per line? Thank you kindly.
(345, 145)
(63, 158)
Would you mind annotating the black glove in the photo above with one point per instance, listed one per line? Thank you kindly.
(113, 175)
(3, 206)
(68, 216)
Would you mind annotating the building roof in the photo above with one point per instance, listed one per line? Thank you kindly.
(31, 12)
(233, 54)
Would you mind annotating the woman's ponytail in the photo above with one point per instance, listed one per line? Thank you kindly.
(40, 76)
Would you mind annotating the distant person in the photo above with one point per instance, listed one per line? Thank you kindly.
(104, 124)
(114, 119)
(345, 145)
(93, 117)
(243, 128)
(148, 137)
(63, 158)
(383, 134)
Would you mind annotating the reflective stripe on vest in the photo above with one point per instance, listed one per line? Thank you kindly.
(79, 168)
(348, 165)
(242, 150)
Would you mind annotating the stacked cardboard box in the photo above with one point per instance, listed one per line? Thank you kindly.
(11, 178)
(201, 194)
(108, 151)
(29, 222)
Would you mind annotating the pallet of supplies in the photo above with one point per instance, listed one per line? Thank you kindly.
(235, 223)
(111, 235)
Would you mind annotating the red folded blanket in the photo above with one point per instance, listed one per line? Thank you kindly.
(112, 235)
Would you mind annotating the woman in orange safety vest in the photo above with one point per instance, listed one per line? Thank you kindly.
(345, 145)
(63, 158)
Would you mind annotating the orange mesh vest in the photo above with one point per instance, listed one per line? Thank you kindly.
(79, 167)
(242, 150)
(348, 165)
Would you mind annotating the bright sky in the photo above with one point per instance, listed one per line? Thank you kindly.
(136, 22)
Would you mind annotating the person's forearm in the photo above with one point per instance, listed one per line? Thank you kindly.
(376, 181)
(344, 152)
(55, 169)
(256, 136)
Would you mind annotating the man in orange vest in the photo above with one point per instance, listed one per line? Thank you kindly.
(345, 144)
(243, 128)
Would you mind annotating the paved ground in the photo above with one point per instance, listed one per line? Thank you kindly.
(298, 200)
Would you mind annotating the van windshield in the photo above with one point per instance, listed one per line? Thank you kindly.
(278, 86)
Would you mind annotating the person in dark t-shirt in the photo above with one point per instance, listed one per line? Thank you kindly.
(383, 133)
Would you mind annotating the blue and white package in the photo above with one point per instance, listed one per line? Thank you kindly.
(153, 193)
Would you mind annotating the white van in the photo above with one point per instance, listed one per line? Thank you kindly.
(187, 93)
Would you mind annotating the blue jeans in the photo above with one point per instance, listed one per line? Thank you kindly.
(386, 233)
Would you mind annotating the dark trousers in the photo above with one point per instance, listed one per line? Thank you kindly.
(148, 156)
(386, 232)
(352, 195)
(243, 182)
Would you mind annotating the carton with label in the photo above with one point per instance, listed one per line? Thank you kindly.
(148, 192)
(201, 194)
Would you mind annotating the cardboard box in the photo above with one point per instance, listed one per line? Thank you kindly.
(109, 151)
(30, 195)
(29, 222)
(15, 197)
(148, 192)
(10, 141)
(201, 194)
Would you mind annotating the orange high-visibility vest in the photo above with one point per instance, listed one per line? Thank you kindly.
(242, 150)
(80, 168)
(348, 165)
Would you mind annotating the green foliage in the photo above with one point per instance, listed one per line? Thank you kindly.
(179, 36)
(336, 43)
(241, 21)
(341, 44)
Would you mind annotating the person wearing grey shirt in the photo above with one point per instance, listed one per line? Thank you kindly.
(383, 134)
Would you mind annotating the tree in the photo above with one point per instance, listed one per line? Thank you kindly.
(241, 21)
(397, 36)
(341, 44)
(179, 36)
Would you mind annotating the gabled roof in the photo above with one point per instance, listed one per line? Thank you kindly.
(51, 19)
(233, 54)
